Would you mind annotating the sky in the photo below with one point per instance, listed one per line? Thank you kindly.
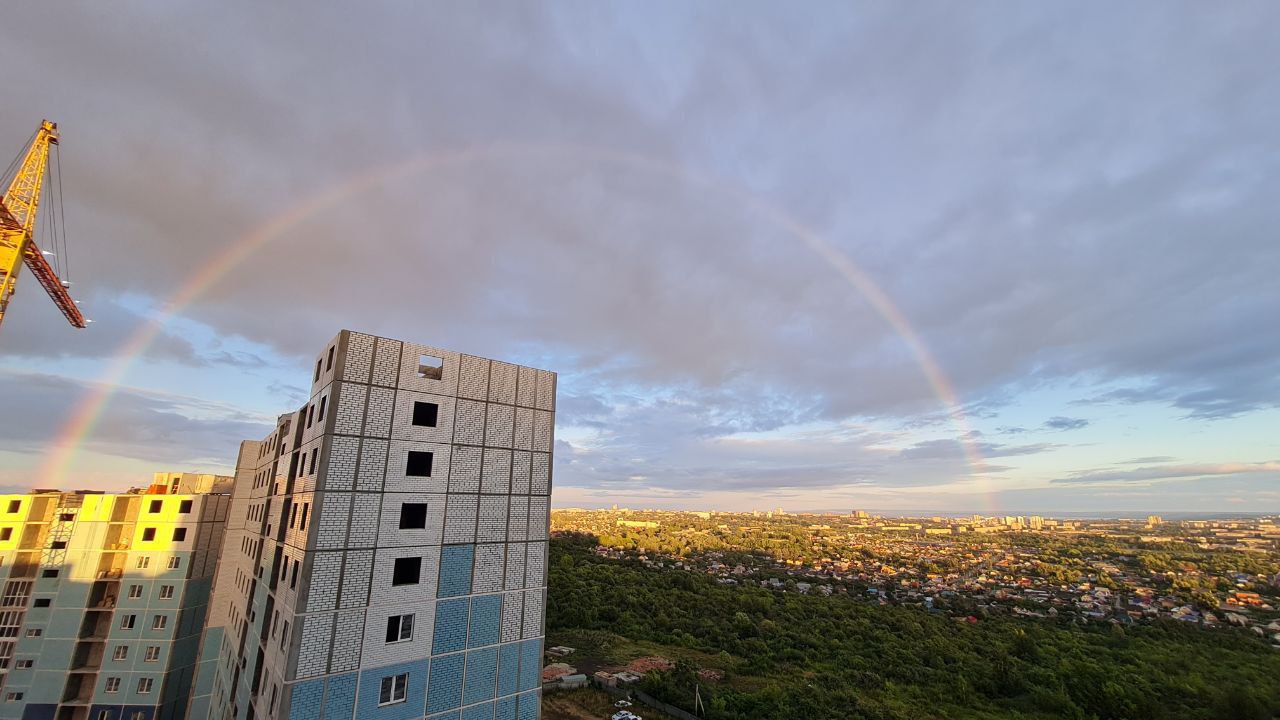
(945, 257)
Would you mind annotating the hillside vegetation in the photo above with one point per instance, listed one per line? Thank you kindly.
(791, 656)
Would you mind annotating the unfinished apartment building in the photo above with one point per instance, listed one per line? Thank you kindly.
(386, 553)
(104, 598)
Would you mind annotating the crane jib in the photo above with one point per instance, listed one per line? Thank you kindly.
(18, 210)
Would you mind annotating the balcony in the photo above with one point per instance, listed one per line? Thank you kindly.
(87, 657)
(102, 595)
(96, 627)
(79, 689)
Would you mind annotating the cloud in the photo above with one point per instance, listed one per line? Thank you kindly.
(945, 448)
(686, 442)
(156, 427)
(1065, 423)
(294, 395)
(594, 222)
(1168, 472)
(638, 210)
(39, 331)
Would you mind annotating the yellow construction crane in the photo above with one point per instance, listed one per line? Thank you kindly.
(17, 225)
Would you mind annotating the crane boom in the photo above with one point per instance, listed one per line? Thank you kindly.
(17, 224)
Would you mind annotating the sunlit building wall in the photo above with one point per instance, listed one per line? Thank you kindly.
(386, 552)
(104, 598)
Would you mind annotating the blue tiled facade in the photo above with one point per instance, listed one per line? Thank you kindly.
(528, 706)
(506, 708)
(451, 626)
(367, 707)
(455, 570)
(509, 669)
(308, 697)
(483, 711)
(486, 620)
(446, 683)
(482, 676)
(531, 664)
(340, 697)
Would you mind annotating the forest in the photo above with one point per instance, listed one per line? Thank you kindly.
(786, 655)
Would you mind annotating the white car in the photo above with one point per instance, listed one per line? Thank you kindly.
(625, 715)
(622, 703)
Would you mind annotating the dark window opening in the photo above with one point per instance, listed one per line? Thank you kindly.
(407, 571)
(425, 414)
(413, 516)
(184, 506)
(179, 534)
(328, 365)
(418, 464)
(149, 534)
(156, 505)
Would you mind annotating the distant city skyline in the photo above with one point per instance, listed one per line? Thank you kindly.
(845, 258)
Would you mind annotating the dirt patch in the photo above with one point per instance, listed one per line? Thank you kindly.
(588, 704)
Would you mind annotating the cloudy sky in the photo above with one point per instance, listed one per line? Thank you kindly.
(963, 256)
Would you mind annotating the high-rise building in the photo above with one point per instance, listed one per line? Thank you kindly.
(386, 550)
(1036, 522)
(105, 596)
(1154, 521)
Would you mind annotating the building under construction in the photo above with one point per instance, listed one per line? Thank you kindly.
(386, 553)
(104, 598)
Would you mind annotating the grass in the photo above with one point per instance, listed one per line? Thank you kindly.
(597, 648)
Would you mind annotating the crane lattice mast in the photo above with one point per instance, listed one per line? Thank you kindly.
(17, 224)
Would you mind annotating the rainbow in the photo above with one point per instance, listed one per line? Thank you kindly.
(84, 419)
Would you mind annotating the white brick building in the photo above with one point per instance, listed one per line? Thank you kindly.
(386, 551)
